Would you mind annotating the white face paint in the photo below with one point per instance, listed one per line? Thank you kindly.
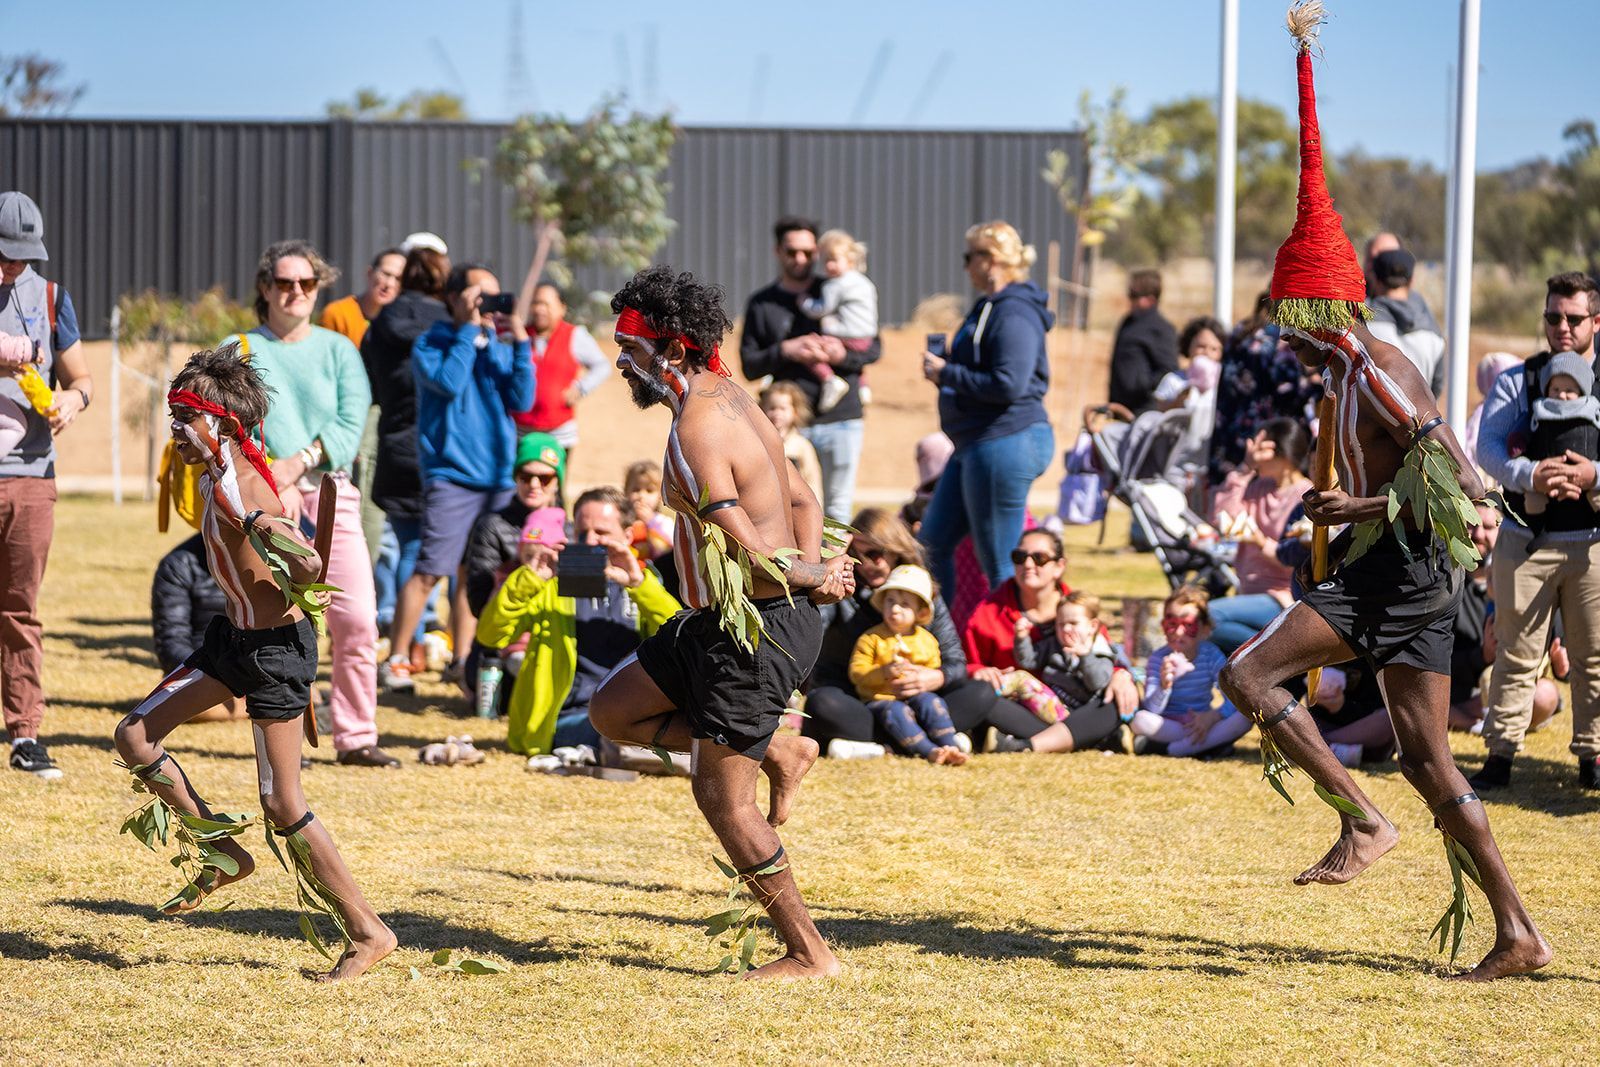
(263, 767)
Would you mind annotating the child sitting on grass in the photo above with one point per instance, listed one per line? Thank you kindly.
(651, 532)
(920, 726)
(1067, 667)
(1181, 683)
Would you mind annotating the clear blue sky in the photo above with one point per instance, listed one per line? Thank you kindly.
(1383, 84)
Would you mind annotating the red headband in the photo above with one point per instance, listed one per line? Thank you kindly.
(187, 399)
(633, 324)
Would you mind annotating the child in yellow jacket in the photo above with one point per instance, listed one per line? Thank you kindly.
(919, 725)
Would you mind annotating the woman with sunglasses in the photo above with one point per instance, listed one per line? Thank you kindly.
(881, 543)
(1034, 593)
(991, 405)
(495, 543)
(320, 397)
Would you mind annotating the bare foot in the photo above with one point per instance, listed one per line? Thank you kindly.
(949, 755)
(361, 955)
(791, 968)
(209, 882)
(786, 764)
(1354, 852)
(1524, 954)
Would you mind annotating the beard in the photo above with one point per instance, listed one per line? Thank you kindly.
(647, 392)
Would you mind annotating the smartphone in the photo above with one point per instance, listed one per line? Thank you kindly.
(581, 571)
(497, 304)
(935, 344)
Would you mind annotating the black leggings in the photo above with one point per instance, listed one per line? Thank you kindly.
(833, 712)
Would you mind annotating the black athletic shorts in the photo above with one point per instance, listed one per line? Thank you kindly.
(733, 697)
(1391, 607)
(272, 669)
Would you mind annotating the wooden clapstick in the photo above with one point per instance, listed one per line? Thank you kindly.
(327, 505)
(1321, 478)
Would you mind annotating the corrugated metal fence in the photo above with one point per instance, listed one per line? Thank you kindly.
(183, 206)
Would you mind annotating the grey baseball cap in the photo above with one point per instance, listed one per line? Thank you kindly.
(21, 227)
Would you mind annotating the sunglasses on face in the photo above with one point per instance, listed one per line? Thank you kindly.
(868, 555)
(799, 253)
(289, 285)
(536, 476)
(1553, 318)
(1019, 557)
(1180, 626)
(969, 255)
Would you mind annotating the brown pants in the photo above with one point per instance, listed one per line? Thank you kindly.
(27, 521)
(1527, 589)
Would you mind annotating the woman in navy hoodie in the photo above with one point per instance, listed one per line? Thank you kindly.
(991, 404)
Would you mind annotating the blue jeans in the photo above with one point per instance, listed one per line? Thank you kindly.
(1236, 619)
(838, 446)
(984, 492)
(574, 728)
(397, 559)
(918, 725)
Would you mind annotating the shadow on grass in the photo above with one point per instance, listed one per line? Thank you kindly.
(587, 879)
(23, 947)
(415, 931)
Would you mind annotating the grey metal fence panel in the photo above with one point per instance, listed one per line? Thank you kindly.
(183, 206)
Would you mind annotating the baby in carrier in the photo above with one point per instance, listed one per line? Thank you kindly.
(1565, 418)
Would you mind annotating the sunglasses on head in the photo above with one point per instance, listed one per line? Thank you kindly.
(1019, 557)
(543, 477)
(1180, 626)
(289, 285)
(1553, 318)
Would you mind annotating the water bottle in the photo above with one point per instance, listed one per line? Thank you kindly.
(490, 672)
(36, 390)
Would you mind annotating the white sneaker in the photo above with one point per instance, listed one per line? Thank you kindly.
(839, 748)
(395, 676)
(576, 756)
(834, 390)
(545, 764)
(1349, 755)
(964, 743)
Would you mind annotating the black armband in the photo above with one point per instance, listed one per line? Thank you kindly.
(718, 505)
(249, 520)
(1425, 429)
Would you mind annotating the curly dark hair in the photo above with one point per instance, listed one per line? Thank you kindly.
(677, 304)
(222, 376)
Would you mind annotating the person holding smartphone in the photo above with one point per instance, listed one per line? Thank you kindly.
(991, 405)
(467, 380)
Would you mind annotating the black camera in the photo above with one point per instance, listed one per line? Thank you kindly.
(497, 303)
(581, 571)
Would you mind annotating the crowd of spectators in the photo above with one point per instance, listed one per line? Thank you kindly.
(444, 418)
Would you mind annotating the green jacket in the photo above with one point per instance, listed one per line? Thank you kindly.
(527, 603)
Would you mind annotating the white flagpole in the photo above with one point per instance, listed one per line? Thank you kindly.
(1227, 158)
(1458, 301)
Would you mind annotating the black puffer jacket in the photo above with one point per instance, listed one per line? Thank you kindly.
(386, 350)
(494, 542)
(847, 620)
(183, 599)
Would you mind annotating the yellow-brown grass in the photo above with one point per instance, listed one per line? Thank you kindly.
(1079, 908)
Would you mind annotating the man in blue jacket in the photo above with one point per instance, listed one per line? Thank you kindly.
(467, 380)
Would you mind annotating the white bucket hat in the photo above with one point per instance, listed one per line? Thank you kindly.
(910, 579)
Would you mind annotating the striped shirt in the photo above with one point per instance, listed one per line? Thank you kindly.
(1192, 692)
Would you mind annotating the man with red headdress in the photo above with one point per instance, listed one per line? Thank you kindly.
(1391, 595)
(695, 686)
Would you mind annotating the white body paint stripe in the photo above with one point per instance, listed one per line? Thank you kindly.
(1266, 632)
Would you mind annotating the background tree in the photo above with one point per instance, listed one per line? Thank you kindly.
(369, 105)
(1115, 146)
(31, 86)
(592, 190)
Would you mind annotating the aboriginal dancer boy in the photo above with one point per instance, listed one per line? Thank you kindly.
(264, 650)
(1397, 576)
(695, 686)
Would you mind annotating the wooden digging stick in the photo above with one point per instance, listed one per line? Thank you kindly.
(327, 505)
(1321, 478)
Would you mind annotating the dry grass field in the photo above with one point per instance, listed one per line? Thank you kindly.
(1022, 909)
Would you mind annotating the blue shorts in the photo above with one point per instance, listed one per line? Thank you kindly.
(449, 512)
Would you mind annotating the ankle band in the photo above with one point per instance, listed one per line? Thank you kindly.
(1288, 710)
(299, 824)
(746, 872)
(1460, 801)
(148, 771)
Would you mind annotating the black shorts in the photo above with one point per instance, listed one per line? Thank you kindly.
(1394, 608)
(733, 697)
(272, 669)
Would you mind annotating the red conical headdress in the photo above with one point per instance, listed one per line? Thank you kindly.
(1317, 282)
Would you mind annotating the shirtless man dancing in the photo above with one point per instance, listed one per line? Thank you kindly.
(1395, 605)
(264, 649)
(691, 687)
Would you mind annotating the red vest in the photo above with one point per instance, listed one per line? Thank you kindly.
(554, 372)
